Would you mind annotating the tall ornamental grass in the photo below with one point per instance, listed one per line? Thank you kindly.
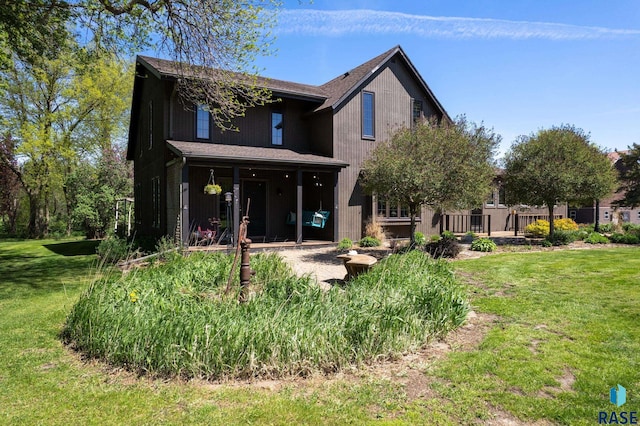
(173, 318)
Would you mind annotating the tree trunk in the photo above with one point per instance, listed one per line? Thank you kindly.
(551, 226)
(413, 212)
(32, 231)
(596, 226)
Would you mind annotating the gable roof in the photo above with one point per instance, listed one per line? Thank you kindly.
(331, 93)
(163, 68)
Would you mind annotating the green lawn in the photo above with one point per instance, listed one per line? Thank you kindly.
(566, 331)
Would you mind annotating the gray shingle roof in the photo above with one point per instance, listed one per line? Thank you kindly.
(165, 68)
(250, 154)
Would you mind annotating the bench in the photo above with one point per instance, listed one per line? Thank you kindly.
(357, 264)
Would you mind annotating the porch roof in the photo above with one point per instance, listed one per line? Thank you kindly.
(250, 154)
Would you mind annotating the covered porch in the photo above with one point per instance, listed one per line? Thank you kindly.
(293, 195)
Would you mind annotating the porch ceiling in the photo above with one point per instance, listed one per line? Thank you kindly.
(250, 154)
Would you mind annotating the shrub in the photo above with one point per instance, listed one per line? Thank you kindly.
(562, 238)
(539, 228)
(420, 238)
(369, 242)
(483, 244)
(345, 244)
(565, 224)
(444, 247)
(112, 249)
(606, 227)
(596, 238)
(167, 248)
(374, 230)
(624, 238)
(449, 234)
(173, 318)
(546, 243)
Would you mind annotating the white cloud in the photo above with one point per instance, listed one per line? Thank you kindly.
(361, 21)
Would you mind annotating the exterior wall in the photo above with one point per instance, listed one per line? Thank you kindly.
(149, 157)
(607, 213)
(394, 88)
(254, 129)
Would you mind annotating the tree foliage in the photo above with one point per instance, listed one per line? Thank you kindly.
(442, 165)
(554, 166)
(211, 40)
(57, 110)
(630, 177)
(9, 185)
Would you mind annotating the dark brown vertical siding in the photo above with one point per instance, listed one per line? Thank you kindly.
(150, 161)
(394, 88)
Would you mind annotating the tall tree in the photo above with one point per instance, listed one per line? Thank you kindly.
(554, 166)
(210, 39)
(44, 105)
(9, 185)
(441, 165)
(630, 177)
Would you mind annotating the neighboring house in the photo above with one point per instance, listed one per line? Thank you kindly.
(608, 209)
(292, 158)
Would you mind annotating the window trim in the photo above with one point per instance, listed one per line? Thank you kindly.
(372, 136)
(156, 218)
(414, 119)
(150, 129)
(387, 218)
(201, 108)
(274, 128)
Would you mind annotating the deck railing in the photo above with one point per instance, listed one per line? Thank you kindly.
(463, 223)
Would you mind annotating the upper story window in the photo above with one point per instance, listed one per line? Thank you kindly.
(416, 111)
(501, 196)
(150, 124)
(368, 115)
(491, 199)
(276, 128)
(202, 122)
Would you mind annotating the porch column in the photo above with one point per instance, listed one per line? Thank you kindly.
(336, 194)
(184, 204)
(236, 203)
(299, 207)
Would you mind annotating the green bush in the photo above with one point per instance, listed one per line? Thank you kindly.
(113, 249)
(449, 234)
(446, 246)
(173, 318)
(596, 238)
(606, 227)
(420, 238)
(369, 242)
(546, 243)
(483, 244)
(562, 238)
(624, 238)
(345, 244)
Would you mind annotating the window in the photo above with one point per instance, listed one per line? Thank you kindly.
(155, 201)
(606, 215)
(501, 196)
(150, 124)
(572, 214)
(276, 128)
(416, 111)
(491, 200)
(202, 122)
(388, 210)
(368, 115)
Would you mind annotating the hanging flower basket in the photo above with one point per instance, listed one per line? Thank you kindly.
(212, 189)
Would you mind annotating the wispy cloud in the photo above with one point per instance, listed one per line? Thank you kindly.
(360, 21)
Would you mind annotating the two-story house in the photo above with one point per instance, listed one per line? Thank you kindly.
(298, 159)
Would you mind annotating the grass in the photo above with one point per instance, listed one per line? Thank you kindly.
(173, 318)
(566, 331)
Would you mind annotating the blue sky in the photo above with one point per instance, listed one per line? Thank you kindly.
(517, 66)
